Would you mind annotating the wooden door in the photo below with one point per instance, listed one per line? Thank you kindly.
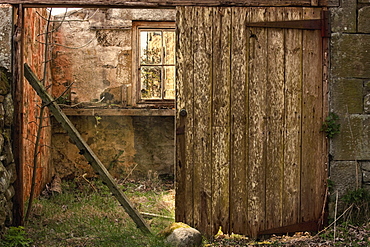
(250, 104)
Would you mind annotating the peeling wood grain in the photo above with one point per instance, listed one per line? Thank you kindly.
(221, 36)
(293, 118)
(275, 120)
(202, 48)
(257, 123)
(239, 122)
(250, 85)
(185, 90)
(312, 144)
(180, 170)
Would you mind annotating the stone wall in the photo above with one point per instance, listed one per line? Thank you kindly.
(100, 72)
(350, 96)
(7, 165)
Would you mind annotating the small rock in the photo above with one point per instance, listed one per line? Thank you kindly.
(185, 237)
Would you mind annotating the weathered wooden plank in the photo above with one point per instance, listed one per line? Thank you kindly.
(292, 134)
(325, 106)
(185, 102)
(275, 121)
(312, 144)
(85, 149)
(202, 52)
(180, 171)
(221, 117)
(257, 123)
(239, 117)
(172, 3)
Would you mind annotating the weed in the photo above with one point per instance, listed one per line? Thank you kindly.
(82, 216)
(360, 201)
(15, 237)
(330, 125)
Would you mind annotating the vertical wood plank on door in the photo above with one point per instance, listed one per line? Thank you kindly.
(221, 117)
(185, 92)
(202, 48)
(180, 171)
(275, 120)
(293, 102)
(257, 124)
(239, 115)
(312, 144)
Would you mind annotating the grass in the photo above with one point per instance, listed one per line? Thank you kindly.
(86, 214)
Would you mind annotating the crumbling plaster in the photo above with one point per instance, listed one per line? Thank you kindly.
(100, 69)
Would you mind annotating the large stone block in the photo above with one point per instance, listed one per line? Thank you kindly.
(343, 18)
(5, 35)
(345, 175)
(9, 110)
(347, 96)
(350, 55)
(353, 141)
(364, 20)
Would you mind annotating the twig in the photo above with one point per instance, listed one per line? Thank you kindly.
(39, 130)
(129, 174)
(92, 186)
(326, 228)
(157, 215)
(335, 215)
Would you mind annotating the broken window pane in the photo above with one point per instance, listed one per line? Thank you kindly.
(169, 82)
(169, 47)
(150, 47)
(157, 63)
(151, 78)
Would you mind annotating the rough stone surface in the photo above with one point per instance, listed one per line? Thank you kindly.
(9, 110)
(346, 176)
(364, 20)
(106, 51)
(343, 18)
(347, 96)
(185, 237)
(352, 143)
(350, 55)
(5, 35)
(101, 71)
(121, 143)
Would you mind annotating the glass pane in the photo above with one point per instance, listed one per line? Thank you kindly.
(169, 47)
(151, 82)
(169, 82)
(150, 47)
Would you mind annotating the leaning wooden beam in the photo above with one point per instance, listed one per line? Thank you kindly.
(85, 149)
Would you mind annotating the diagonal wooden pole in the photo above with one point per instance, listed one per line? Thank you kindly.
(85, 150)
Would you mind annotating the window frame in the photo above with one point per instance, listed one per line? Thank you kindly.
(137, 27)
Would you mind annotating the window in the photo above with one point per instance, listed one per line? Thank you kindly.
(155, 62)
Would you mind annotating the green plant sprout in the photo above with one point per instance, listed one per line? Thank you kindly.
(15, 237)
(330, 125)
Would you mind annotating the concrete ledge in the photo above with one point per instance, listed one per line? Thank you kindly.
(120, 112)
